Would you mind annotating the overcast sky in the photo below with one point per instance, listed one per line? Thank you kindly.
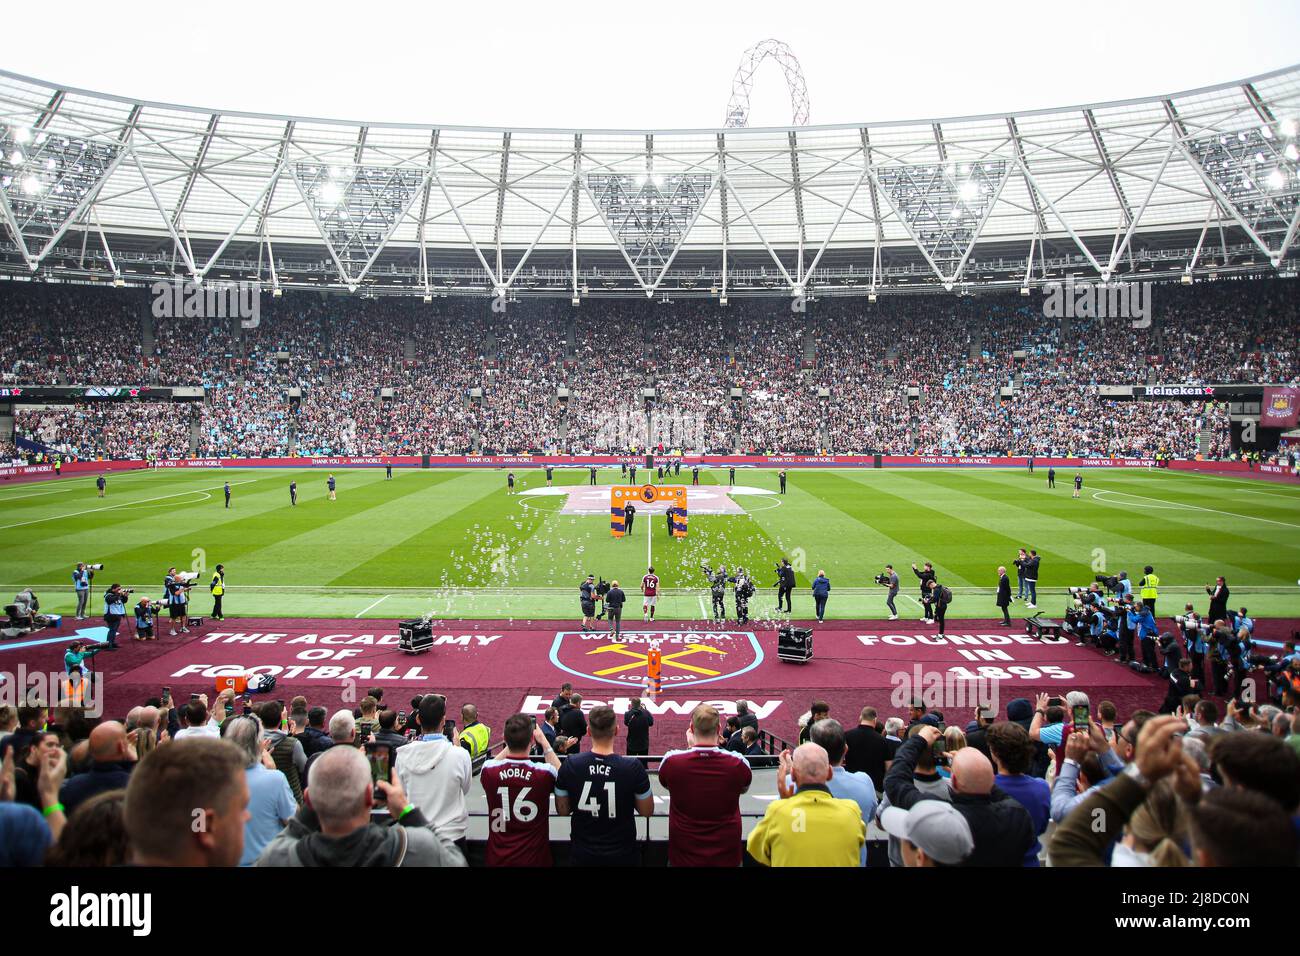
(655, 64)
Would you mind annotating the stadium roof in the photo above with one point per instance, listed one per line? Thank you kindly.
(1201, 182)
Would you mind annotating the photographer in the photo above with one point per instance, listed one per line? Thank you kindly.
(176, 591)
(744, 590)
(81, 579)
(889, 579)
(718, 590)
(1219, 594)
(78, 652)
(1143, 623)
(114, 610)
(587, 599)
(1123, 631)
(926, 577)
(144, 619)
(1194, 633)
(940, 597)
(26, 605)
(785, 584)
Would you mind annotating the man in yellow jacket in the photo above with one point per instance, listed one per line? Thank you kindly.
(808, 827)
(1149, 589)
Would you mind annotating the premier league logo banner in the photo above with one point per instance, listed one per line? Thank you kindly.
(1281, 408)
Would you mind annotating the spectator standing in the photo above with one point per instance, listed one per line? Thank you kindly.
(436, 773)
(603, 792)
(807, 826)
(518, 794)
(638, 721)
(705, 783)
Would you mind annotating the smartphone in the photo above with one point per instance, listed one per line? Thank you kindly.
(380, 757)
(166, 694)
(449, 729)
(1080, 712)
(939, 748)
(1055, 702)
(230, 708)
(401, 716)
(193, 698)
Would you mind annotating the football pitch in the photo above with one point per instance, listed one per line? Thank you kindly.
(454, 543)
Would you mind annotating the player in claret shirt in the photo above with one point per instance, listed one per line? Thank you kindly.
(519, 797)
(603, 791)
(705, 783)
(649, 595)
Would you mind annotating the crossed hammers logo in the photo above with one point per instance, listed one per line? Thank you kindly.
(669, 660)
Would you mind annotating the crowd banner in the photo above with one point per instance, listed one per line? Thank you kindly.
(1281, 407)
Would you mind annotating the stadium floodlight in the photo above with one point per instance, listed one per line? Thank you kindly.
(649, 216)
(943, 211)
(54, 178)
(357, 208)
(1256, 176)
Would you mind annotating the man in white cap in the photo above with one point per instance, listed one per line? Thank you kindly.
(933, 833)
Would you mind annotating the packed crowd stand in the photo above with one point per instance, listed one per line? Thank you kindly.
(1046, 781)
(906, 375)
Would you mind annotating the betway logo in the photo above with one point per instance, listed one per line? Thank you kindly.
(536, 704)
(77, 909)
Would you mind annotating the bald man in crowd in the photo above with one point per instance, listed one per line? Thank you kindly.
(113, 756)
(1001, 827)
(336, 829)
(807, 826)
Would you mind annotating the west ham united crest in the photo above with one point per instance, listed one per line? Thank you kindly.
(688, 658)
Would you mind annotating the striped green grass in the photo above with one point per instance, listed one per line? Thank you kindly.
(454, 543)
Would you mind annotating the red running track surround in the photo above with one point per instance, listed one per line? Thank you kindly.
(506, 666)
